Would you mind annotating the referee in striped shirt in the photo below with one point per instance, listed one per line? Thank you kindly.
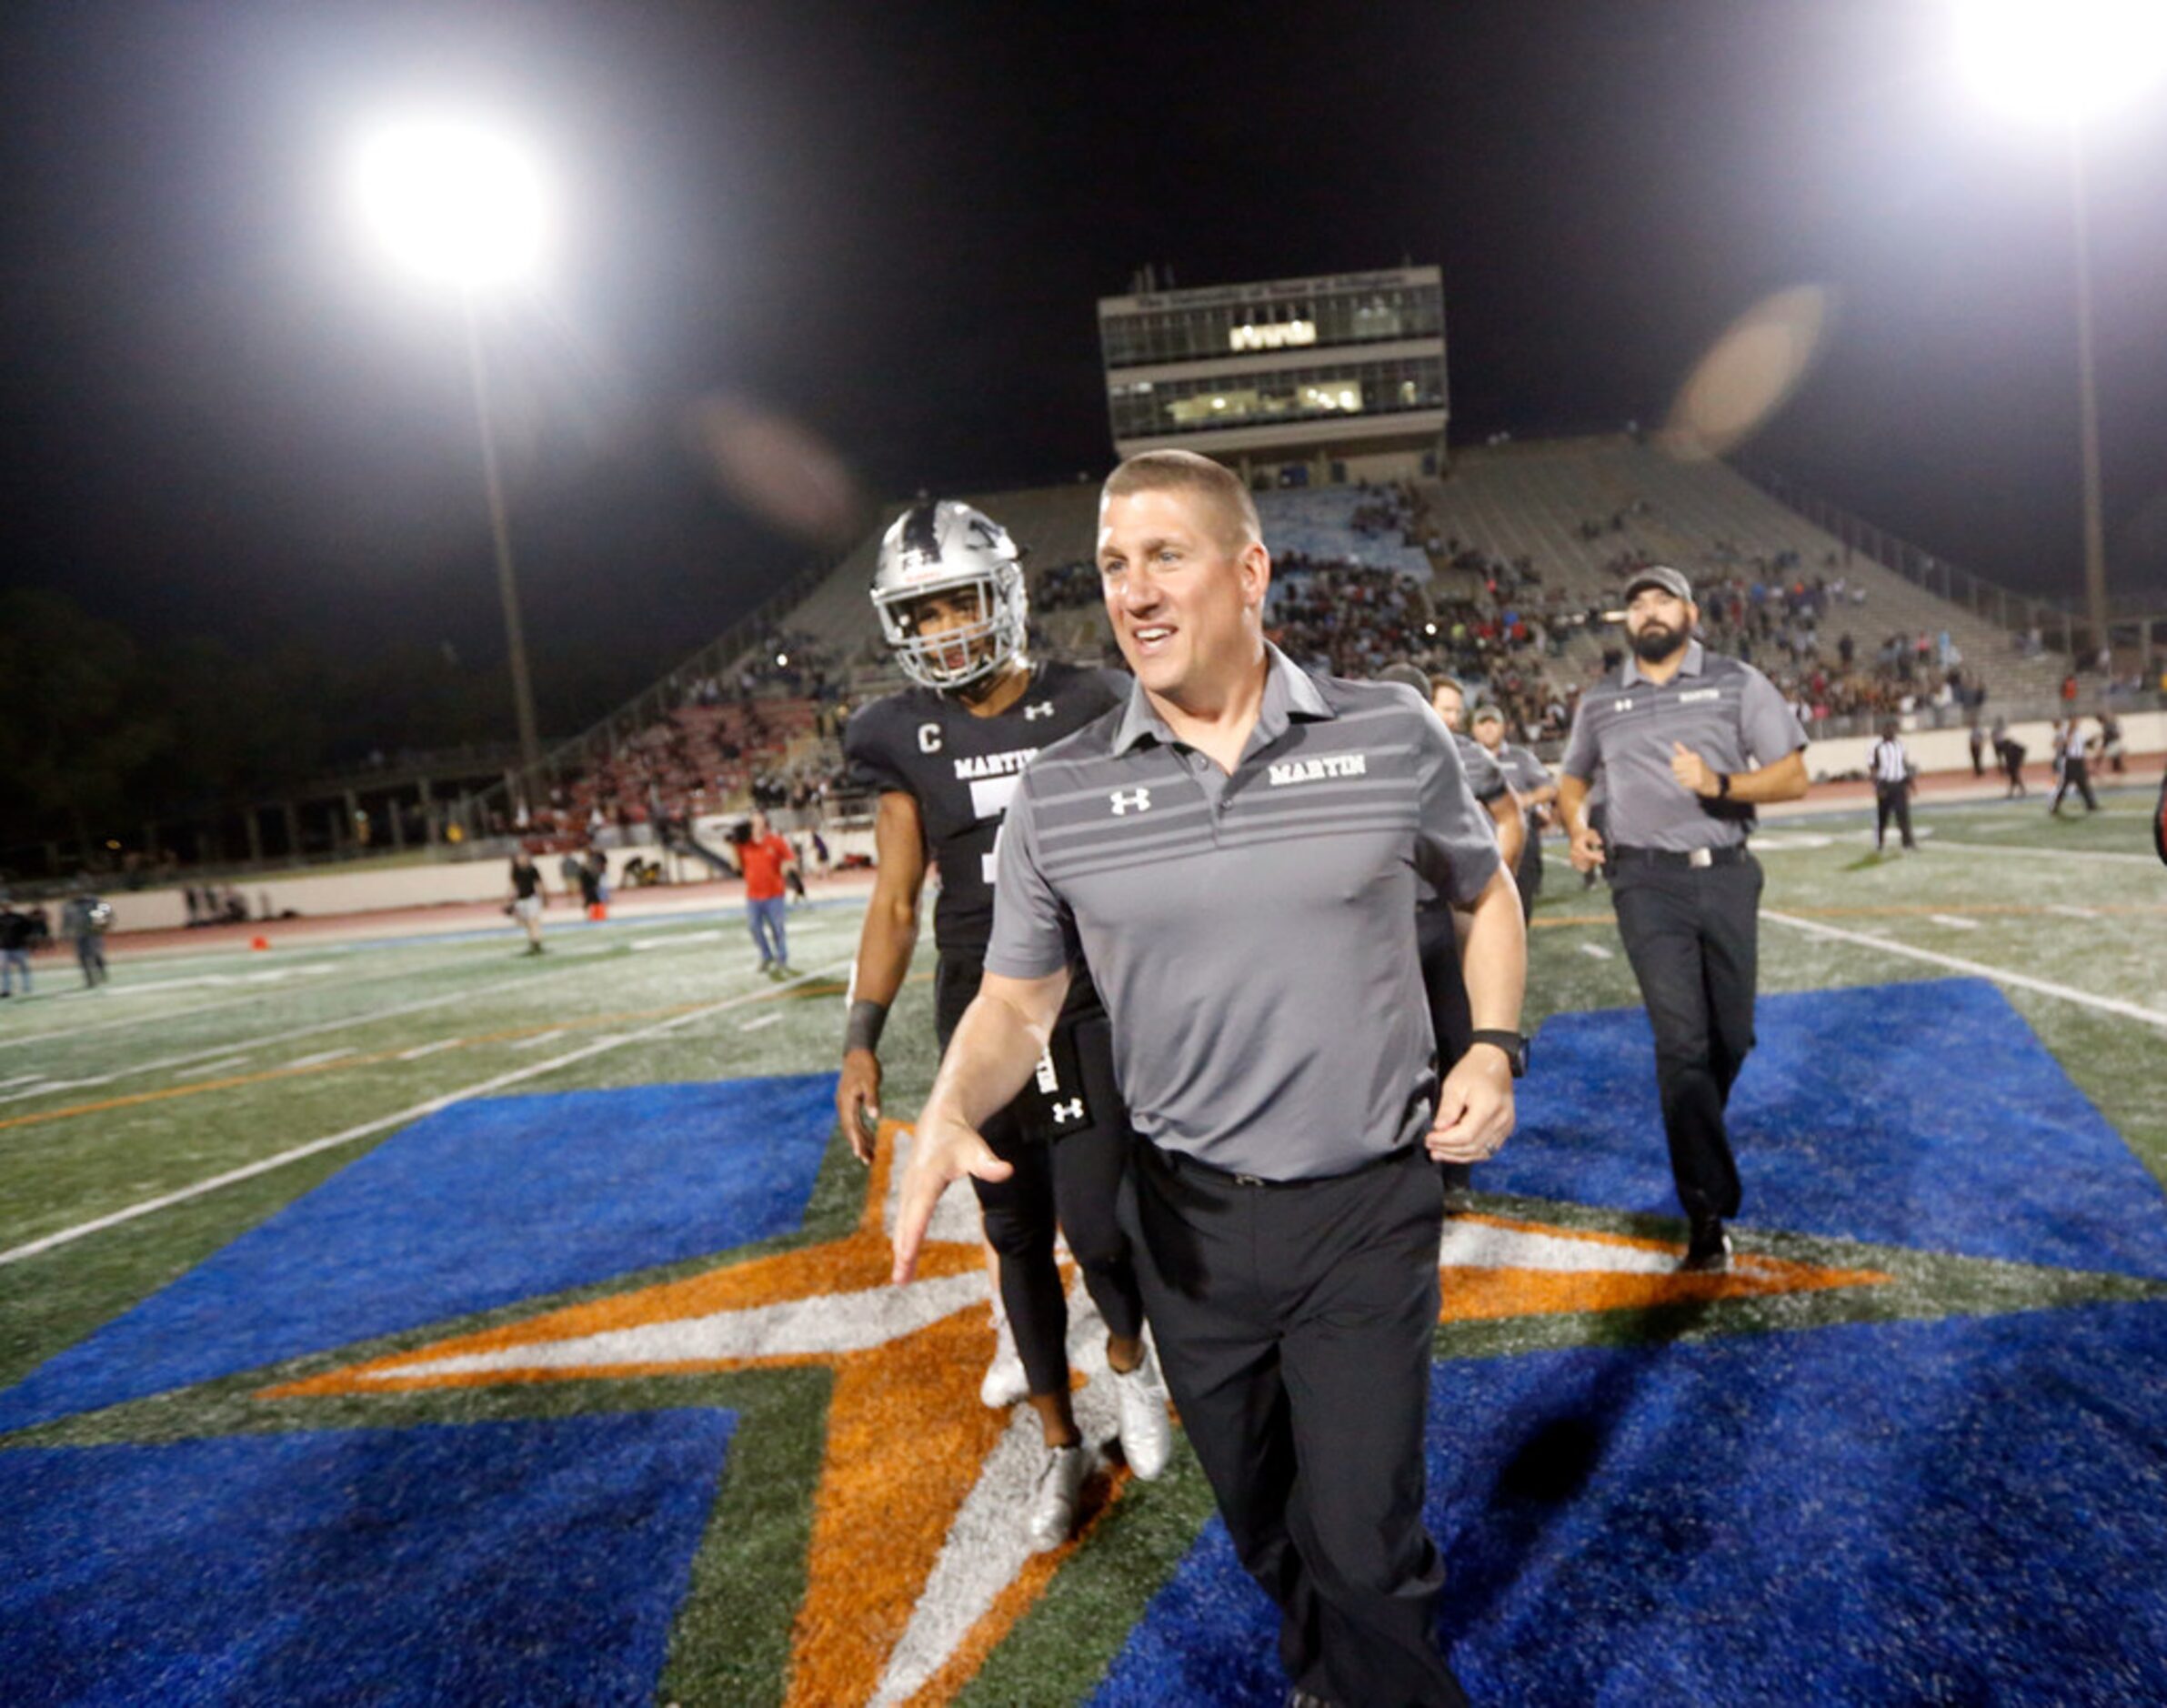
(1891, 768)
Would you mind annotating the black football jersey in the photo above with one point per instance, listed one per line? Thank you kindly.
(962, 769)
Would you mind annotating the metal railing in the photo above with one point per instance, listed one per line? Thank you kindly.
(2016, 613)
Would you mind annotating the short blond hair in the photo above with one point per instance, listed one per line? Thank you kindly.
(1186, 471)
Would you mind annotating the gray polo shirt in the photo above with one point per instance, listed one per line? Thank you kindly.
(1486, 778)
(1722, 709)
(1251, 934)
(1523, 770)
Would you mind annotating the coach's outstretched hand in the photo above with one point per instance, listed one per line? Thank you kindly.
(1474, 1109)
(942, 1152)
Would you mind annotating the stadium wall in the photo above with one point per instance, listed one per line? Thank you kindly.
(382, 889)
(1950, 750)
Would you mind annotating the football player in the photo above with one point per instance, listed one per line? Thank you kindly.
(945, 755)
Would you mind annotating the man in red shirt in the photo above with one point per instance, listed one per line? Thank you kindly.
(762, 858)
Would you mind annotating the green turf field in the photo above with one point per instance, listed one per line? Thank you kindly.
(146, 1127)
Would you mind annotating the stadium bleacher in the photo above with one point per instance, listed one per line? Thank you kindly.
(1500, 572)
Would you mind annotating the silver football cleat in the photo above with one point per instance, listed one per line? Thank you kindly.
(1054, 1500)
(1147, 1433)
(1005, 1384)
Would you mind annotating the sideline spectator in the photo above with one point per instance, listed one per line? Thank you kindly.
(525, 902)
(15, 931)
(764, 857)
(84, 921)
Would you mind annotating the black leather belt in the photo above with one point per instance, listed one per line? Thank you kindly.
(1173, 1162)
(1694, 857)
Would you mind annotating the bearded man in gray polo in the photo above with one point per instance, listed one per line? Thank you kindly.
(1687, 743)
(1236, 851)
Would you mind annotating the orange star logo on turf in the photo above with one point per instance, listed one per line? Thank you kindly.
(918, 1566)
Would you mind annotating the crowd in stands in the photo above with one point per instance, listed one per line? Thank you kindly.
(1065, 587)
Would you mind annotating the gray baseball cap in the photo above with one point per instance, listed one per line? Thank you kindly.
(1486, 715)
(1661, 575)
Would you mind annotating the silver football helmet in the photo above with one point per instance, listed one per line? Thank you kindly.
(949, 548)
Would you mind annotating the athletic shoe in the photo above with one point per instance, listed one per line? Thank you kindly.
(1055, 1499)
(1300, 1698)
(1004, 1384)
(1147, 1435)
(1709, 1250)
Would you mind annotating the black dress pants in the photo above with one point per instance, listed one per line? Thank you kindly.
(1295, 1324)
(1693, 934)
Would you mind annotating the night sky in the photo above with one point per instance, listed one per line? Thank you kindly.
(890, 223)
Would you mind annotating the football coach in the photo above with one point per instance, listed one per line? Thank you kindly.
(1688, 743)
(1236, 853)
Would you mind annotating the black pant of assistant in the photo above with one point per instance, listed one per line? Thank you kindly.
(1693, 934)
(1295, 1324)
(1068, 1184)
(1892, 799)
(2076, 774)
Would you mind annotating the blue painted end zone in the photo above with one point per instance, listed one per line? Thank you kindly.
(481, 1205)
(1925, 1115)
(1961, 1511)
(493, 1562)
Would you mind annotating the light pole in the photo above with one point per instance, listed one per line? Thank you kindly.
(2070, 63)
(464, 206)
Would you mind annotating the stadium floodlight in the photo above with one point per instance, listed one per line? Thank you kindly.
(2066, 61)
(2070, 63)
(461, 203)
(454, 200)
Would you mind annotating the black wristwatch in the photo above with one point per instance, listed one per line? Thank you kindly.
(1722, 785)
(1514, 1046)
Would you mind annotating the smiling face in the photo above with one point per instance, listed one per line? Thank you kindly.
(951, 611)
(1186, 600)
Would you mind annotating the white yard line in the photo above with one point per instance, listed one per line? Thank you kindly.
(21, 1078)
(416, 1054)
(209, 1068)
(67, 1035)
(2049, 853)
(480, 1089)
(714, 936)
(1977, 970)
(2069, 911)
(1595, 950)
(539, 1039)
(764, 1020)
(1954, 920)
(320, 1056)
(293, 1036)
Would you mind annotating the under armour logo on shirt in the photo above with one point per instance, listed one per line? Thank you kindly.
(1044, 708)
(1138, 800)
(1072, 1110)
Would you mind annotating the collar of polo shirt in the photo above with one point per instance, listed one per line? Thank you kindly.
(1692, 666)
(1288, 693)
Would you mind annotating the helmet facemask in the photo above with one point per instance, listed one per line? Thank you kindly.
(955, 657)
(950, 551)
